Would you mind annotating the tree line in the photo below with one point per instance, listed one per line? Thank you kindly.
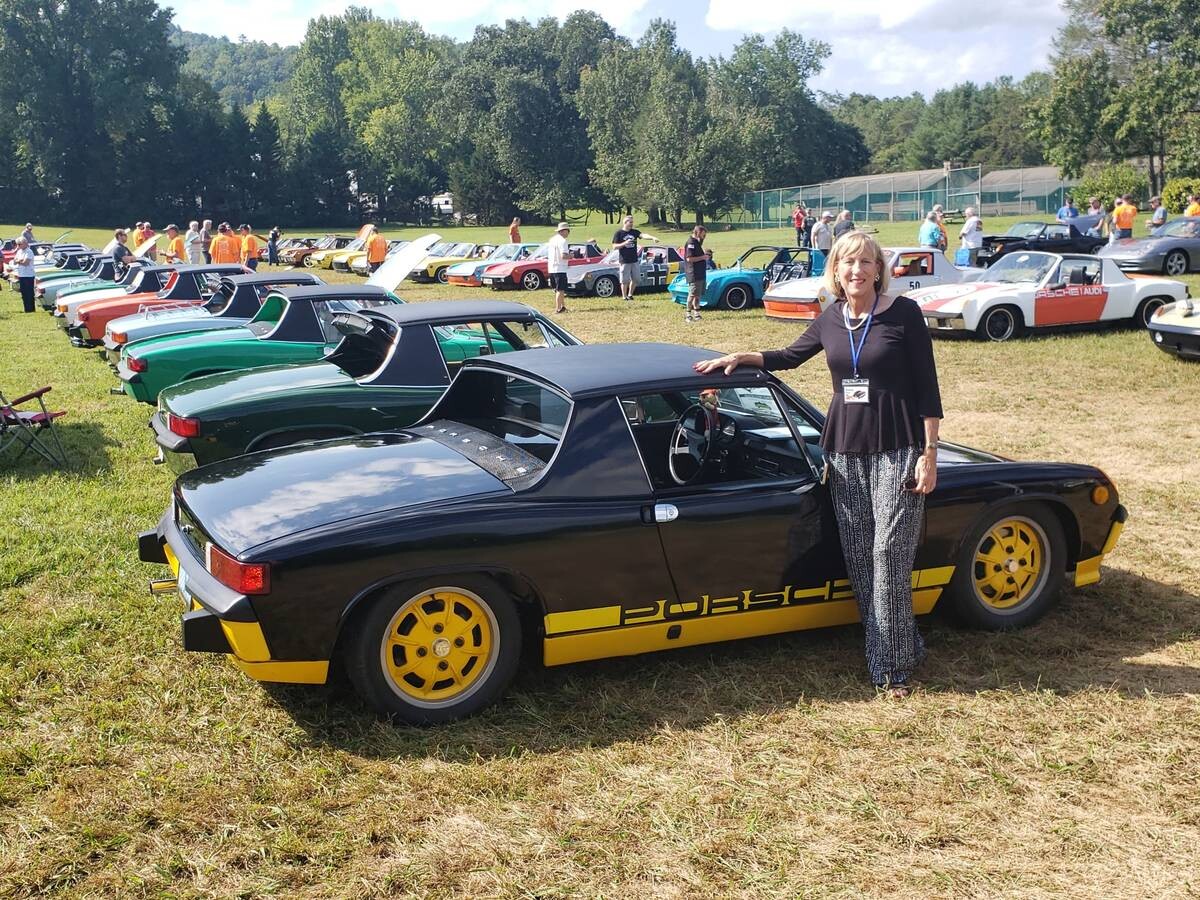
(116, 115)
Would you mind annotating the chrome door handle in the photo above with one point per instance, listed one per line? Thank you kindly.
(665, 512)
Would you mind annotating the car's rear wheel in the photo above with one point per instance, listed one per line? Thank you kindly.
(606, 286)
(531, 280)
(441, 275)
(1009, 569)
(1176, 263)
(309, 262)
(1000, 324)
(1146, 310)
(736, 297)
(435, 650)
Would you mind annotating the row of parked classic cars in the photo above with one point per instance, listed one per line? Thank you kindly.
(419, 493)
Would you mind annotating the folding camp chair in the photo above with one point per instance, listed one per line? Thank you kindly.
(30, 429)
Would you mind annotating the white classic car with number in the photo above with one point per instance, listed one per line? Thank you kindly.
(1040, 290)
(912, 268)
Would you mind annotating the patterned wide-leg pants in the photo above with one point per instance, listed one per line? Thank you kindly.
(880, 525)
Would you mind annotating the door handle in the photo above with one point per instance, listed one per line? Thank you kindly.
(665, 512)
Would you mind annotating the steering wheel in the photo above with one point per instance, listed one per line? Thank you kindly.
(696, 436)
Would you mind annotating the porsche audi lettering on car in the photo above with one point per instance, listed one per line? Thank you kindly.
(422, 560)
(1037, 290)
(911, 268)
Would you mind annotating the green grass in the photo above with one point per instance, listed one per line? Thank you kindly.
(1058, 761)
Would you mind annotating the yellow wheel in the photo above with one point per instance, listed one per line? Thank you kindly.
(435, 651)
(1010, 568)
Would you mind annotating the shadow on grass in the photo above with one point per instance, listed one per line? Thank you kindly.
(1098, 639)
(86, 447)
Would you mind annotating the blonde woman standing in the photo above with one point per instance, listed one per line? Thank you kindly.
(880, 442)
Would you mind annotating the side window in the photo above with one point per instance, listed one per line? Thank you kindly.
(1058, 232)
(742, 430)
(808, 430)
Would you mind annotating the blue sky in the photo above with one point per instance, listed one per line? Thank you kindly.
(881, 47)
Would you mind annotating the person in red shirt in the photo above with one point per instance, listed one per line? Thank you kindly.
(798, 223)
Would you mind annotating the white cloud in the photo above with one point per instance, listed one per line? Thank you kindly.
(886, 47)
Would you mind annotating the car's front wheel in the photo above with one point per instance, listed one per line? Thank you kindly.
(1000, 323)
(531, 280)
(441, 275)
(309, 262)
(1176, 263)
(606, 286)
(1009, 569)
(435, 650)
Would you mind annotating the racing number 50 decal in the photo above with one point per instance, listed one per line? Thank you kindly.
(1069, 305)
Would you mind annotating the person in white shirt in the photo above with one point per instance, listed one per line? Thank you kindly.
(557, 256)
(971, 234)
(23, 264)
(193, 244)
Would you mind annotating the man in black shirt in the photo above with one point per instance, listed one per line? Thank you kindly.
(625, 243)
(695, 269)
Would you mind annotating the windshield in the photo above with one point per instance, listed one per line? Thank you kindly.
(611, 256)
(135, 286)
(356, 244)
(1025, 229)
(505, 251)
(1021, 267)
(440, 249)
(1180, 228)
(540, 252)
(460, 250)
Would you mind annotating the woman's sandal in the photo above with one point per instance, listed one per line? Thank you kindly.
(894, 690)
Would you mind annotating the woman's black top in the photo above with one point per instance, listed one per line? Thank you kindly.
(897, 358)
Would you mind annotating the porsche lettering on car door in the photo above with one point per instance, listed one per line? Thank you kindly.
(1069, 305)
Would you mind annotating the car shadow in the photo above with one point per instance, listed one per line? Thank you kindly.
(85, 444)
(1104, 638)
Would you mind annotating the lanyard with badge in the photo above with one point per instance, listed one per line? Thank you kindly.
(857, 390)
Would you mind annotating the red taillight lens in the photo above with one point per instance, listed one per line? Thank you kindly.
(136, 364)
(183, 426)
(120, 337)
(245, 578)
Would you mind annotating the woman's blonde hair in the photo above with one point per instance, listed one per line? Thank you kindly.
(849, 244)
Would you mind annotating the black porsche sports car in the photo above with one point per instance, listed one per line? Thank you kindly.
(598, 501)
(1048, 237)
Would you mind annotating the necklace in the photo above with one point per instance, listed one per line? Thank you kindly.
(846, 316)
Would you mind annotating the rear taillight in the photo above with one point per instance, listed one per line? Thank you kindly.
(136, 364)
(245, 578)
(120, 337)
(183, 426)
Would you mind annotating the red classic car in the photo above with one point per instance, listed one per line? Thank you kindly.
(530, 273)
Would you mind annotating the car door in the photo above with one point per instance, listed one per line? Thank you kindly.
(1057, 239)
(752, 549)
(914, 270)
(1073, 295)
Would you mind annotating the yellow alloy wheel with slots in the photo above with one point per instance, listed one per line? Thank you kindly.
(1010, 564)
(440, 646)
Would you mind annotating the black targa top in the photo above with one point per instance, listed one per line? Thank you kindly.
(598, 370)
(367, 352)
(243, 297)
(299, 320)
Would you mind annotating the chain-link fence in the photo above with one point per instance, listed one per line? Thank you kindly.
(907, 196)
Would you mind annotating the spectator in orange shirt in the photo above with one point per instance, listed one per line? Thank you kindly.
(1123, 215)
(139, 234)
(225, 248)
(175, 252)
(376, 249)
(249, 249)
(514, 231)
(1193, 207)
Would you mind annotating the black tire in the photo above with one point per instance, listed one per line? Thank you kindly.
(1146, 310)
(606, 286)
(1021, 581)
(531, 280)
(309, 262)
(736, 297)
(289, 438)
(1176, 263)
(1001, 323)
(413, 688)
(441, 275)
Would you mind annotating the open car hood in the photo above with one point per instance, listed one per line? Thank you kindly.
(396, 267)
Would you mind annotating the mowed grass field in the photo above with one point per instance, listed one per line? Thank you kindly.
(1057, 761)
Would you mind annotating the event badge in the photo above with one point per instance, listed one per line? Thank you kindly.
(856, 390)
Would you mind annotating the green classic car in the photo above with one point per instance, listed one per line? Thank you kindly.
(293, 325)
(390, 367)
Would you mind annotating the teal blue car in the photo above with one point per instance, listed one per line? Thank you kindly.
(743, 284)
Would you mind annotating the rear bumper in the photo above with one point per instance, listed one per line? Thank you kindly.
(216, 619)
(176, 451)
